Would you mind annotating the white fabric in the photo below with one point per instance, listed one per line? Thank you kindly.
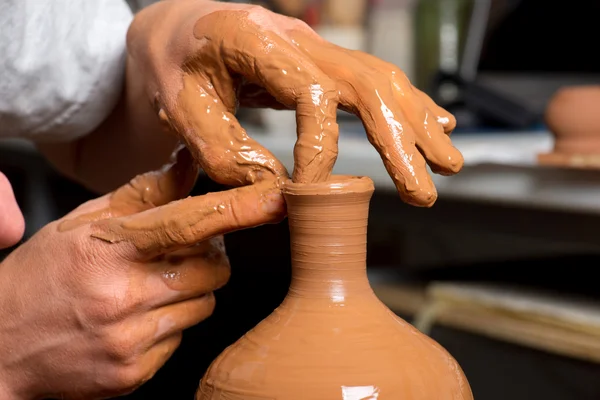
(61, 66)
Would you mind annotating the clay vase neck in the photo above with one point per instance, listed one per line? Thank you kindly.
(328, 232)
(331, 338)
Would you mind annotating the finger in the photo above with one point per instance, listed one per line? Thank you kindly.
(396, 144)
(364, 93)
(175, 318)
(389, 131)
(293, 80)
(157, 356)
(443, 117)
(147, 331)
(431, 124)
(217, 140)
(436, 146)
(186, 222)
(431, 140)
(187, 273)
(12, 223)
(172, 182)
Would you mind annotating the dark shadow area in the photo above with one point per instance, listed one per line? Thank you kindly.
(498, 370)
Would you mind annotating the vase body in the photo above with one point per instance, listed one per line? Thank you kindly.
(331, 338)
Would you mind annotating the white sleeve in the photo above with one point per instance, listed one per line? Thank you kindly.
(61, 66)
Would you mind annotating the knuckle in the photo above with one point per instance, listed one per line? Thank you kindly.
(99, 312)
(367, 76)
(257, 11)
(398, 74)
(232, 218)
(330, 89)
(110, 302)
(127, 379)
(299, 25)
(119, 347)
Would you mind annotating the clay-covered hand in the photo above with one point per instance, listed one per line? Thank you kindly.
(201, 60)
(95, 303)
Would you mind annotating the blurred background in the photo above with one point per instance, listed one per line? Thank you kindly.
(500, 271)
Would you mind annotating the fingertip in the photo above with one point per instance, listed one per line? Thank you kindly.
(273, 206)
(12, 223)
(456, 162)
(12, 231)
(448, 121)
(452, 165)
(413, 182)
(422, 198)
(419, 194)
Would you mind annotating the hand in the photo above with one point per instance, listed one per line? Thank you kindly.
(95, 303)
(200, 60)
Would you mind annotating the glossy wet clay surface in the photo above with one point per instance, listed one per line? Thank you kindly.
(331, 338)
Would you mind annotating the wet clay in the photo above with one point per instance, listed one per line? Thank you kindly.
(573, 119)
(151, 214)
(185, 222)
(246, 56)
(173, 181)
(332, 338)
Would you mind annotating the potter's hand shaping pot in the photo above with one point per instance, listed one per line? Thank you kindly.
(95, 303)
(200, 60)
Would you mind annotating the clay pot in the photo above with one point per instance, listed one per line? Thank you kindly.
(332, 338)
(573, 119)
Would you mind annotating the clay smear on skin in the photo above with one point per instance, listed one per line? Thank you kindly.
(331, 338)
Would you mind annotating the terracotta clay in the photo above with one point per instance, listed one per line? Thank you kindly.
(573, 119)
(331, 338)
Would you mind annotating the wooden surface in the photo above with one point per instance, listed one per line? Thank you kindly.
(577, 161)
(544, 321)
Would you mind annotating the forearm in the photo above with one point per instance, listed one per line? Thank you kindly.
(129, 142)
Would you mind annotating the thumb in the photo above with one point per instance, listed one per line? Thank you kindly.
(186, 222)
(12, 224)
(152, 189)
(172, 182)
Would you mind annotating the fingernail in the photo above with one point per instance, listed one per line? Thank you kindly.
(273, 203)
